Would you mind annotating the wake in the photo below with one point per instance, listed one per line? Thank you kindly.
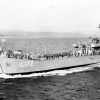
(51, 73)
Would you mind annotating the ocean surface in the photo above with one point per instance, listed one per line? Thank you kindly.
(42, 45)
(81, 83)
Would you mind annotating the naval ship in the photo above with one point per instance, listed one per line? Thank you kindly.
(16, 62)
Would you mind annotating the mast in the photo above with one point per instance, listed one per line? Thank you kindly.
(97, 31)
(45, 49)
(2, 42)
(98, 28)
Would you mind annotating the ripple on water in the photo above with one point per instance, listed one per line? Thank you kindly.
(81, 85)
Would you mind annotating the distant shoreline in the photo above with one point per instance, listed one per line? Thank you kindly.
(9, 36)
(39, 37)
(19, 34)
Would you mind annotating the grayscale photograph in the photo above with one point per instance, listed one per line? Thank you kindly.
(49, 49)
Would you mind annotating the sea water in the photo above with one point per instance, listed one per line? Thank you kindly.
(73, 84)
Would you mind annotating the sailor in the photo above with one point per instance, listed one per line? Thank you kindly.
(9, 54)
(90, 52)
(27, 56)
(31, 56)
(90, 40)
(1, 50)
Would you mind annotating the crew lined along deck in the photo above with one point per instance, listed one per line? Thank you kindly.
(77, 53)
(86, 49)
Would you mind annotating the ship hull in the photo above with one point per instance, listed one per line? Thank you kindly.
(20, 66)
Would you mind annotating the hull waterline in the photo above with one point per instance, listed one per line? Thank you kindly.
(19, 66)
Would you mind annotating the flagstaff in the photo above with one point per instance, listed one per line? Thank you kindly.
(2, 42)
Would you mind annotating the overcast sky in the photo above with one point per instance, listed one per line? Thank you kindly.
(50, 15)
